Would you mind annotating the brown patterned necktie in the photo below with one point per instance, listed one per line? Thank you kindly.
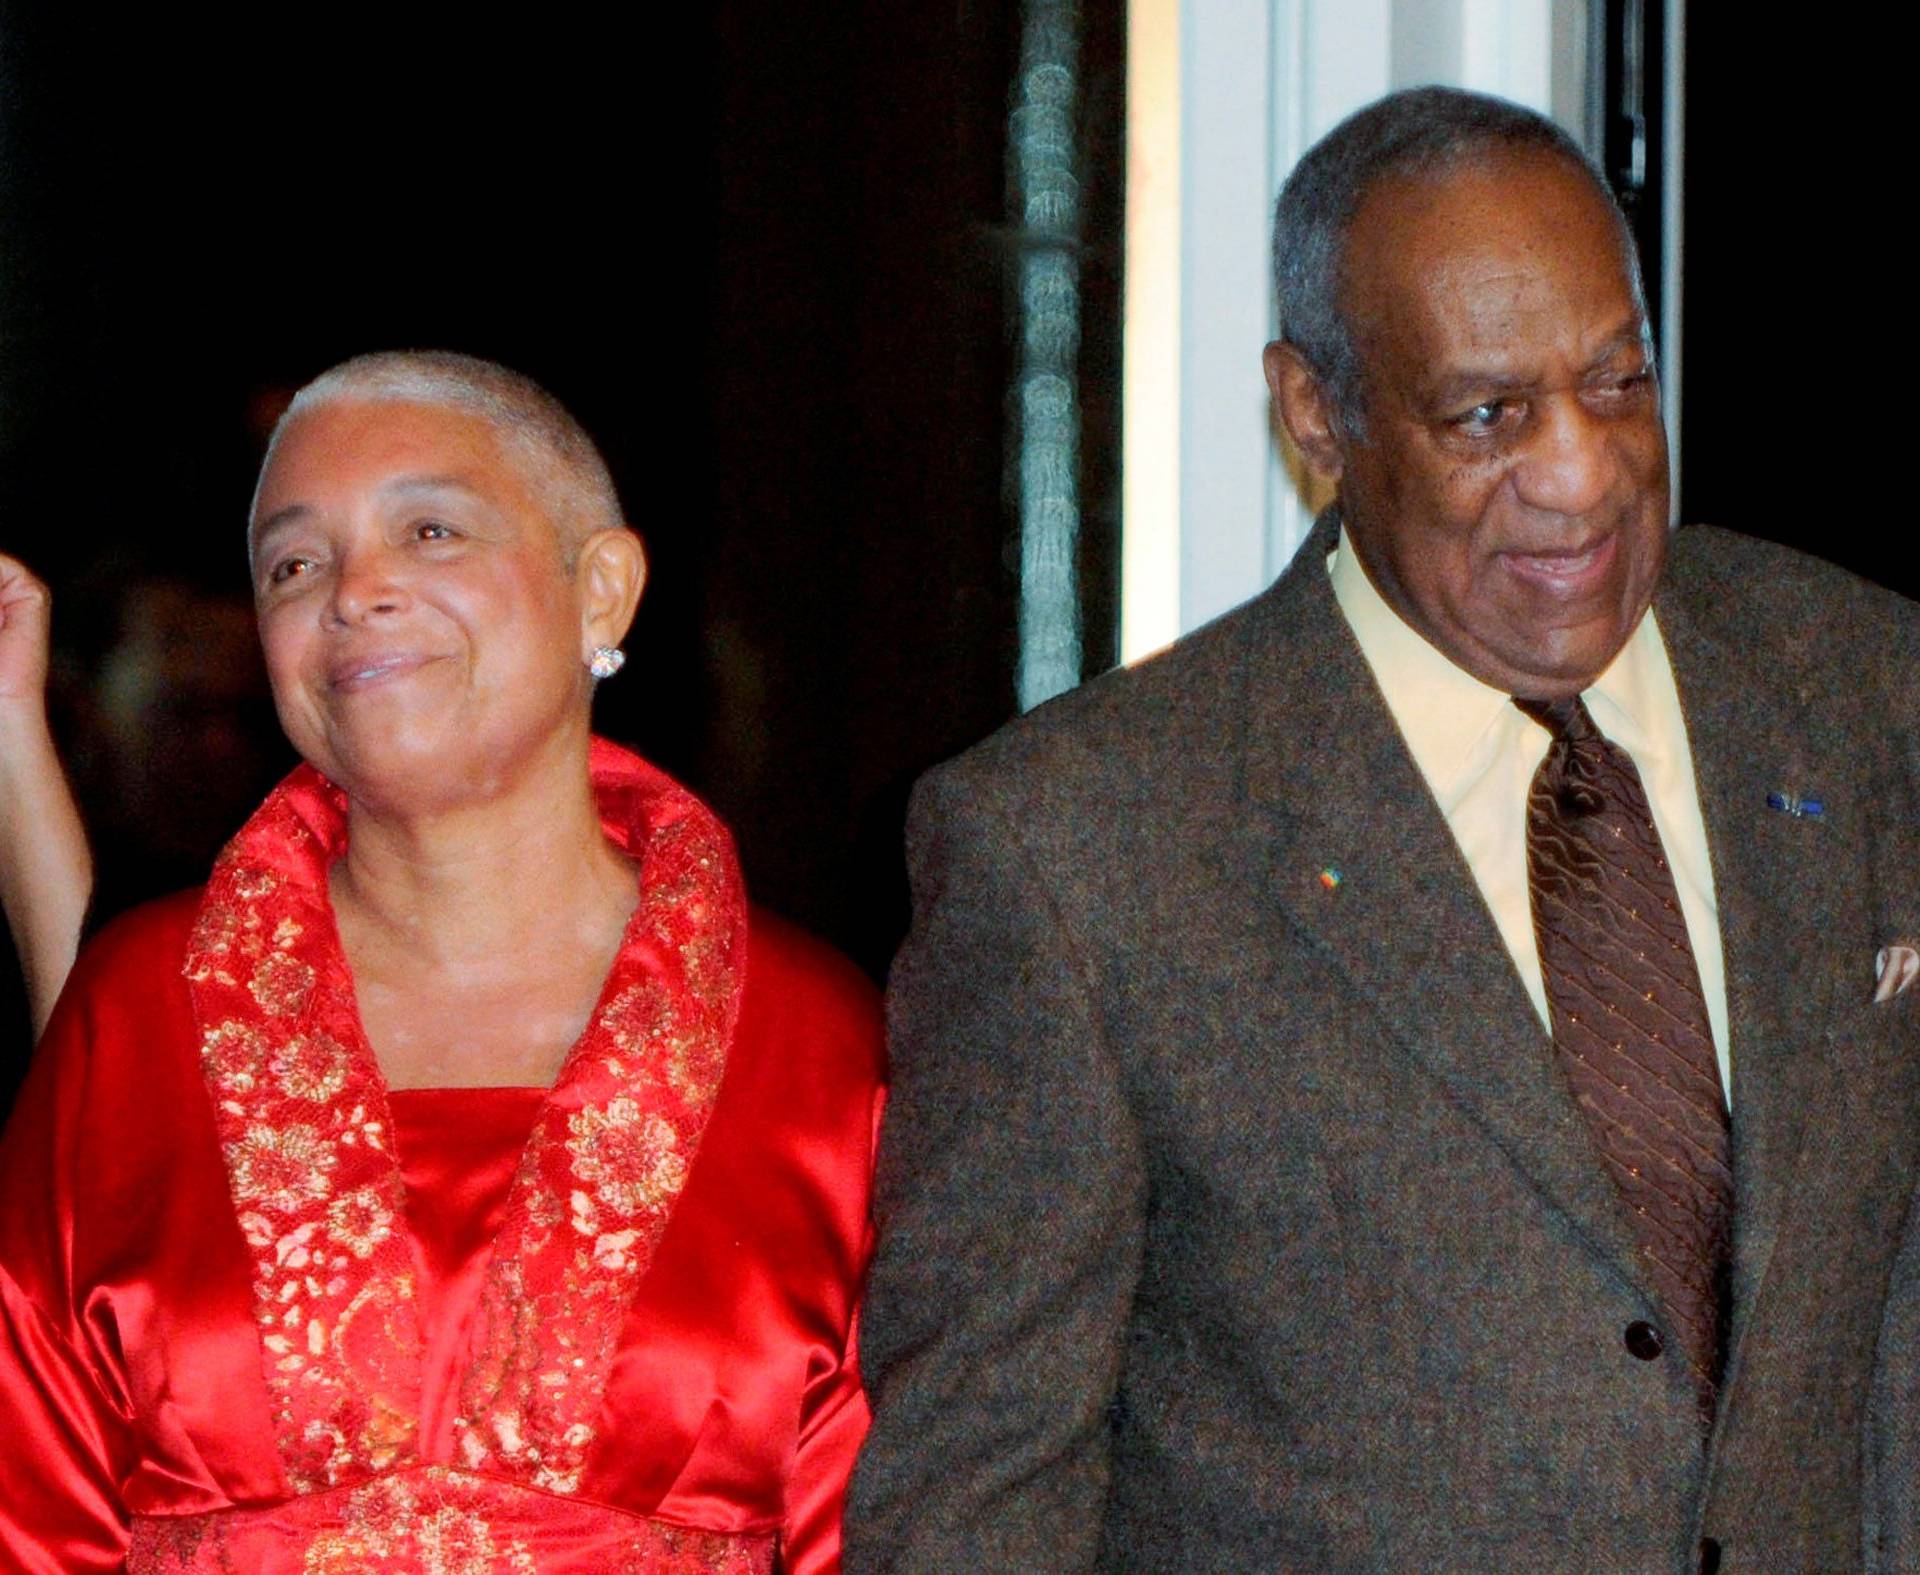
(1630, 1020)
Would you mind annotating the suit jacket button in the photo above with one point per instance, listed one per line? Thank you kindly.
(1644, 1340)
(1709, 1556)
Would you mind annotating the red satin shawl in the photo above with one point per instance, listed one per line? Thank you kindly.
(257, 1312)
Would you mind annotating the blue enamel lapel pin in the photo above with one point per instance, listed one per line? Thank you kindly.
(1800, 808)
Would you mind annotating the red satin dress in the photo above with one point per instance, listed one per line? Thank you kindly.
(260, 1313)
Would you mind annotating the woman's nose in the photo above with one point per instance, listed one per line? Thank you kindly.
(367, 584)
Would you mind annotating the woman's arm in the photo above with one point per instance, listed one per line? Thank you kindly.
(46, 874)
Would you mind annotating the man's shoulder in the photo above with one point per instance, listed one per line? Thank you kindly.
(1168, 714)
(1737, 570)
(1790, 608)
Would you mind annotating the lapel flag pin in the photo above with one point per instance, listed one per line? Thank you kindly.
(1796, 806)
(1330, 878)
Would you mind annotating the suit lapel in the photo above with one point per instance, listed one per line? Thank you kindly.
(1363, 865)
(1773, 874)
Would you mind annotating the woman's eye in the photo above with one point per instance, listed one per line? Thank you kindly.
(287, 569)
(432, 530)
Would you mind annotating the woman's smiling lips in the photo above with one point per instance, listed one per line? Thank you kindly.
(351, 675)
(1565, 572)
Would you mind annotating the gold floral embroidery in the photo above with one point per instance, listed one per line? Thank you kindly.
(281, 1167)
(411, 1522)
(303, 1123)
(253, 884)
(280, 983)
(634, 1015)
(361, 1220)
(644, 1014)
(432, 1521)
(230, 1053)
(629, 1157)
(616, 1143)
(176, 1545)
(311, 1066)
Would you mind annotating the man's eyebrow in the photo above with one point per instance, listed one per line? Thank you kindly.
(1635, 336)
(1479, 380)
(1495, 381)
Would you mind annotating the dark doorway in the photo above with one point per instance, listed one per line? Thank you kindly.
(1791, 299)
(763, 251)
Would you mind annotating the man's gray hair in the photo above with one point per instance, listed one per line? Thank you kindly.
(1418, 132)
(565, 468)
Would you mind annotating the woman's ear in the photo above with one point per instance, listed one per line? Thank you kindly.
(611, 571)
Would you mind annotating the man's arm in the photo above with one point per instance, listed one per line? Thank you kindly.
(1010, 1203)
(45, 872)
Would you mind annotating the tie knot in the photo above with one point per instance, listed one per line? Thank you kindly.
(1567, 720)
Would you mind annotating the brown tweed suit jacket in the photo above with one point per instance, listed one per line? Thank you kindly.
(1237, 1218)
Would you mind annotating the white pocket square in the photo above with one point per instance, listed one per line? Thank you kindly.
(1895, 968)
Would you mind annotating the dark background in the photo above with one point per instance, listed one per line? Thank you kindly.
(764, 252)
(1794, 421)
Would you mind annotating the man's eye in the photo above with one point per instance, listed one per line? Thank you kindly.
(432, 530)
(1485, 416)
(289, 568)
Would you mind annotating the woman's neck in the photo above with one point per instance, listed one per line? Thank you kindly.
(475, 880)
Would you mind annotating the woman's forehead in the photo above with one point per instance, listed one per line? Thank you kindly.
(348, 451)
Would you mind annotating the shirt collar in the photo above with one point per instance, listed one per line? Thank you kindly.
(1449, 718)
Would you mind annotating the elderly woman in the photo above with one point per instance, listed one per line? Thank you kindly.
(466, 1179)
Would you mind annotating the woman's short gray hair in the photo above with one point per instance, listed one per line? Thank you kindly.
(1416, 132)
(565, 466)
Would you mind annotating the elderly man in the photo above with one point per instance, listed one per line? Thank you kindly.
(1399, 1081)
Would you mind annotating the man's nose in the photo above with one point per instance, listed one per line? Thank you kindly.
(366, 584)
(1573, 461)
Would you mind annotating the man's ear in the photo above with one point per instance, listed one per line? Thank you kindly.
(611, 571)
(1305, 410)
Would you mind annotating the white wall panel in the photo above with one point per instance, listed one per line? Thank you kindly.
(1226, 190)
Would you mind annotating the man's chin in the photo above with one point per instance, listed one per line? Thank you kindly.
(1551, 665)
(1557, 676)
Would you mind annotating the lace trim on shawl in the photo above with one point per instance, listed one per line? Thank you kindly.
(305, 1131)
(434, 1521)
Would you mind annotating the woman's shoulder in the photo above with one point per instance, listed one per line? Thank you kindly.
(122, 1030)
(811, 997)
(779, 950)
(153, 934)
(135, 955)
(113, 1113)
